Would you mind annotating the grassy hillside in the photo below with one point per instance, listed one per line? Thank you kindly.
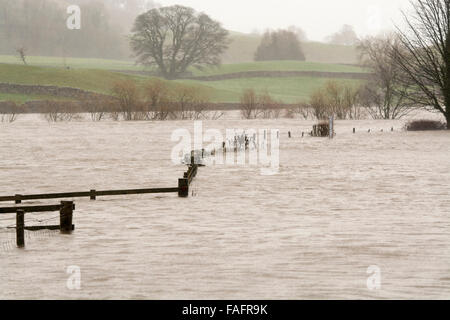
(87, 79)
(100, 81)
(243, 47)
(288, 90)
(22, 98)
(330, 53)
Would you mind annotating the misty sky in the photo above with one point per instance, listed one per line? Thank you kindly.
(319, 18)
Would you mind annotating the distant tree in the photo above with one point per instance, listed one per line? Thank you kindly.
(346, 36)
(279, 45)
(175, 38)
(22, 54)
(424, 57)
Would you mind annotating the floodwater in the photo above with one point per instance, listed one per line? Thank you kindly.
(336, 209)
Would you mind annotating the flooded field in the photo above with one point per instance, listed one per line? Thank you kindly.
(336, 208)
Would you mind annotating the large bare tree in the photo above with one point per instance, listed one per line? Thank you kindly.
(424, 56)
(385, 95)
(175, 38)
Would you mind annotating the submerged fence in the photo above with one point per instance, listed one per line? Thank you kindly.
(66, 208)
(65, 226)
(93, 194)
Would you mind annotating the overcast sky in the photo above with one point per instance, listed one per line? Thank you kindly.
(318, 18)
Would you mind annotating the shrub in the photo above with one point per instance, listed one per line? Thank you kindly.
(262, 105)
(322, 129)
(97, 107)
(58, 111)
(9, 112)
(336, 99)
(157, 94)
(127, 95)
(425, 125)
(249, 104)
(187, 102)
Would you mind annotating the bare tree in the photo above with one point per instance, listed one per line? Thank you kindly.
(97, 107)
(188, 102)
(268, 107)
(22, 52)
(385, 96)
(9, 111)
(59, 111)
(336, 99)
(127, 95)
(249, 104)
(157, 93)
(425, 55)
(175, 38)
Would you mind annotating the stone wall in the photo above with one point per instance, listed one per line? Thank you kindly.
(285, 74)
(59, 92)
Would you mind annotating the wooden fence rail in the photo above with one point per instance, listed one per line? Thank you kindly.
(66, 207)
(50, 208)
(93, 194)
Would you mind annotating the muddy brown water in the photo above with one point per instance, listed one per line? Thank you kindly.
(335, 208)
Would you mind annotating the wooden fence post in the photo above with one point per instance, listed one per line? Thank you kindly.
(93, 195)
(65, 216)
(195, 169)
(183, 188)
(20, 228)
(18, 198)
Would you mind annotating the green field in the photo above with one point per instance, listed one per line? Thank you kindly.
(119, 65)
(100, 81)
(88, 79)
(286, 90)
(94, 75)
(22, 98)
